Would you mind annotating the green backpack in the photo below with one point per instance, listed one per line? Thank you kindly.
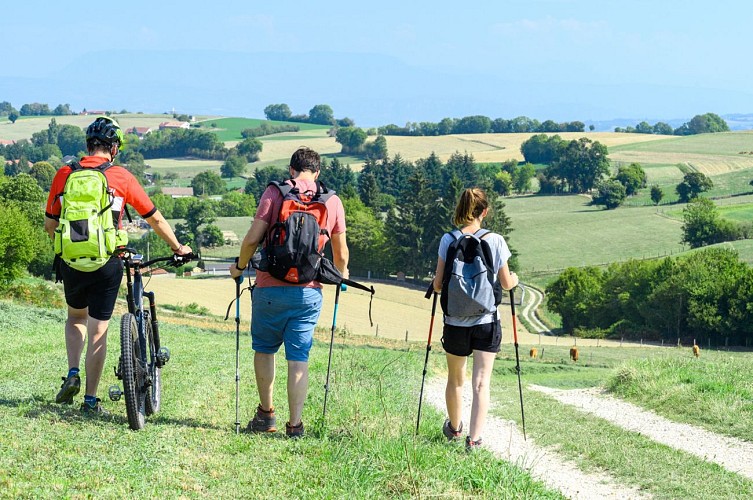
(87, 236)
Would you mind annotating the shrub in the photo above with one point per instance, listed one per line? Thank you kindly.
(37, 293)
(17, 243)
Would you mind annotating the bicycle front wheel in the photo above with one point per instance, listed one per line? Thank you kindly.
(133, 372)
(154, 391)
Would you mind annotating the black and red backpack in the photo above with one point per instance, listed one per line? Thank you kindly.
(293, 246)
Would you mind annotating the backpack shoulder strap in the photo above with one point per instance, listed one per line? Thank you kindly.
(323, 193)
(104, 166)
(283, 187)
(481, 233)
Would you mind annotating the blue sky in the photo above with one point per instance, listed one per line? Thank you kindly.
(603, 59)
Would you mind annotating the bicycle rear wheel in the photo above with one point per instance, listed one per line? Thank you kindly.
(133, 372)
(154, 392)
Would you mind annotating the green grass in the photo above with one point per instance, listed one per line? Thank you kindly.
(714, 391)
(632, 459)
(598, 445)
(366, 446)
(229, 129)
(184, 167)
(739, 213)
(554, 232)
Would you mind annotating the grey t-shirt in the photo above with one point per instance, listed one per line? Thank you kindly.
(500, 255)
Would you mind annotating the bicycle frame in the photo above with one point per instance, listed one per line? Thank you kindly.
(135, 297)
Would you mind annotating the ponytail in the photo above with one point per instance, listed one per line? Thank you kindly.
(470, 206)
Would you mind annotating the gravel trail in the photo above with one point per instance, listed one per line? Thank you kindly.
(506, 441)
(733, 454)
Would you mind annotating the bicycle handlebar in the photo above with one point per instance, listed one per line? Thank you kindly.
(175, 260)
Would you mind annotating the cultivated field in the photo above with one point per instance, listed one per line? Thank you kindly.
(25, 126)
(183, 167)
(711, 154)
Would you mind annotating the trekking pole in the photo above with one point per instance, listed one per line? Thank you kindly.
(331, 343)
(238, 282)
(517, 359)
(428, 349)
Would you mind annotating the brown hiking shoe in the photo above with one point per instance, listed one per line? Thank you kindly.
(294, 432)
(450, 433)
(263, 421)
(472, 446)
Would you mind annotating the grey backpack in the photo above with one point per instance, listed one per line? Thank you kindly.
(469, 287)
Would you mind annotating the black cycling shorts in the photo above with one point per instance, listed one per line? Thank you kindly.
(463, 340)
(96, 290)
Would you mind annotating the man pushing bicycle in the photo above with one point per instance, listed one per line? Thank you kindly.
(83, 217)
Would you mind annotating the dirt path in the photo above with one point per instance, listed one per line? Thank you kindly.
(529, 310)
(506, 441)
(733, 454)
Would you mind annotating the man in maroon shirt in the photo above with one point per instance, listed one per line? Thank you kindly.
(282, 312)
(91, 295)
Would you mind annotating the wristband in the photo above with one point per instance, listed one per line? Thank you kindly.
(240, 268)
(178, 249)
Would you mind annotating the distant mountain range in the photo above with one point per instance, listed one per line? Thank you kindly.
(371, 89)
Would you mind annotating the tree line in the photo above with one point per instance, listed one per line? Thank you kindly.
(320, 114)
(479, 124)
(707, 123)
(703, 296)
(33, 109)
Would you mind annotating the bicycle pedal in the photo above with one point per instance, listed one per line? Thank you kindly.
(163, 356)
(114, 392)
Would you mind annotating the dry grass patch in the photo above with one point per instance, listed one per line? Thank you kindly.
(707, 164)
(395, 310)
(282, 150)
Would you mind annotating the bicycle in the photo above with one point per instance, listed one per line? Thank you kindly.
(141, 354)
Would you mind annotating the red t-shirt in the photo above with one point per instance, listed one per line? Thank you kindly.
(124, 186)
(269, 207)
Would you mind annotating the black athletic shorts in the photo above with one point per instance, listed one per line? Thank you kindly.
(96, 290)
(463, 340)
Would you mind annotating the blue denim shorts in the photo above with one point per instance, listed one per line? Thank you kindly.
(285, 314)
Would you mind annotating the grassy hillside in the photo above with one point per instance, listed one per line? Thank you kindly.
(554, 232)
(366, 445)
(189, 450)
(229, 129)
(713, 392)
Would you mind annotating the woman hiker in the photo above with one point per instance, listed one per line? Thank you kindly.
(480, 332)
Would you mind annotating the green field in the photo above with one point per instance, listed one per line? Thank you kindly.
(554, 232)
(229, 129)
(742, 212)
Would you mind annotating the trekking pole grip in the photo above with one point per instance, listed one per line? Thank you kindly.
(239, 279)
(429, 291)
